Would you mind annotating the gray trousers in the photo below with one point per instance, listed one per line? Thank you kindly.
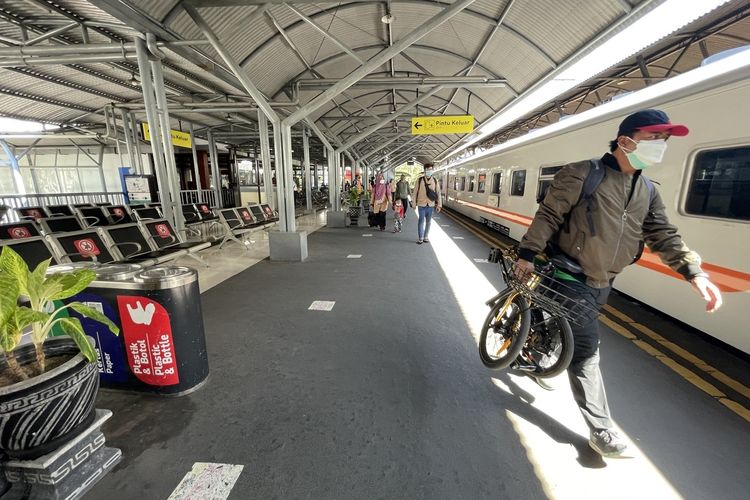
(583, 372)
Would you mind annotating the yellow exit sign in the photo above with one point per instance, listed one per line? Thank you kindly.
(427, 125)
(178, 138)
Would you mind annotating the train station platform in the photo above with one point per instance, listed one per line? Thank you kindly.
(384, 395)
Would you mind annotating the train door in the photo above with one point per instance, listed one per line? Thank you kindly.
(546, 175)
(493, 199)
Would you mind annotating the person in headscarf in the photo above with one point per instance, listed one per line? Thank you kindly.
(380, 200)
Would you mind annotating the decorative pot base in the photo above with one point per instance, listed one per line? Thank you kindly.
(66, 473)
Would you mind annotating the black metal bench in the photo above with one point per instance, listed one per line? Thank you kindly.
(19, 230)
(164, 237)
(130, 241)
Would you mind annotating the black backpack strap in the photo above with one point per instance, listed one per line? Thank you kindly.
(590, 184)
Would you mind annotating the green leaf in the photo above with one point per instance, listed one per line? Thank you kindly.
(26, 317)
(72, 327)
(14, 265)
(92, 313)
(36, 278)
(70, 283)
(8, 296)
(10, 334)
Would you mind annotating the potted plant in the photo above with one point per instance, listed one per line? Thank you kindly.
(354, 195)
(47, 387)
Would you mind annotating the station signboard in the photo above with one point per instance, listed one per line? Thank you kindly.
(181, 139)
(430, 125)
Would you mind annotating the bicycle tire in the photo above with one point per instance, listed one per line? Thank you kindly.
(562, 343)
(518, 319)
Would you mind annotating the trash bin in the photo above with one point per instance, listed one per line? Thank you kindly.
(161, 347)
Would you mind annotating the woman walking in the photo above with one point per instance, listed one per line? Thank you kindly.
(380, 200)
(426, 197)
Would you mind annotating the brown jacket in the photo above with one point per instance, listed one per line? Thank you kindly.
(621, 223)
(419, 193)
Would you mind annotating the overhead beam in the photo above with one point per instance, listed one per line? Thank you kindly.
(377, 61)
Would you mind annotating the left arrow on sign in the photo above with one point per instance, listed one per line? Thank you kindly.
(417, 125)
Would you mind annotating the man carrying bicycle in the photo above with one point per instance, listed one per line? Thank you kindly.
(604, 233)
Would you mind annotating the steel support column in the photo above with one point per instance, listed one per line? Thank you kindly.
(284, 182)
(215, 173)
(265, 155)
(149, 98)
(170, 163)
(306, 164)
(128, 137)
(196, 170)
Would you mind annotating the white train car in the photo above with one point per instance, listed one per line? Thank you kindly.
(704, 181)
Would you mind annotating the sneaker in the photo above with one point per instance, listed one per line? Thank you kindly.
(426, 240)
(541, 382)
(607, 443)
(419, 242)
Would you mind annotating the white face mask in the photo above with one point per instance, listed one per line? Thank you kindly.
(646, 154)
(382, 181)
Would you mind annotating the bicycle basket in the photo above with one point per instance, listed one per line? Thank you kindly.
(545, 292)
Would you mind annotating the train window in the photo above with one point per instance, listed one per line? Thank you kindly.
(497, 182)
(471, 183)
(461, 183)
(452, 182)
(481, 183)
(720, 185)
(546, 174)
(518, 183)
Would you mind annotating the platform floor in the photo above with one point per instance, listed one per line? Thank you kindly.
(384, 396)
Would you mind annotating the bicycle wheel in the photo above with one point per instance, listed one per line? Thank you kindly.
(549, 346)
(504, 331)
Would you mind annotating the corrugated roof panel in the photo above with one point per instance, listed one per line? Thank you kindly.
(559, 28)
(157, 10)
(273, 67)
(514, 60)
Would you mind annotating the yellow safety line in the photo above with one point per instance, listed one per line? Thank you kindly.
(684, 372)
(676, 367)
(684, 354)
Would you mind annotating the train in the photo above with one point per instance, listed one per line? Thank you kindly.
(704, 181)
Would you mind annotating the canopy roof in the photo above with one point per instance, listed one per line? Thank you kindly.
(293, 51)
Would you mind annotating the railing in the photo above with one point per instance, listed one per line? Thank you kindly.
(29, 200)
(190, 196)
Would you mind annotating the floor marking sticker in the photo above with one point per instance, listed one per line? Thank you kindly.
(458, 237)
(321, 305)
(207, 480)
(481, 261)
(354, 256)
(366, 235)
(445, 225)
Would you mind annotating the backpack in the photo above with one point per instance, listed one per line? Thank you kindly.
(591, 182)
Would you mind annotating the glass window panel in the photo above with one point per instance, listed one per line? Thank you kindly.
(471, 183)
(46, 180)
(92, 181)
(70, 181)
(482, 183)
(28, 181)
(720, 184)
(462, 183)
(45, 159)
(6, 180)
(518, 183)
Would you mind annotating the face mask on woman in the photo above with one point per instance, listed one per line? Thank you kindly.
(382, 181)
(428, 173)
(646, 154)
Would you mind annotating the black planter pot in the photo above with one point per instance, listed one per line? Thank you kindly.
(354, 213)
(42, 413)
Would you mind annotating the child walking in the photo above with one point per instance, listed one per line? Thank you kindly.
(398, 213)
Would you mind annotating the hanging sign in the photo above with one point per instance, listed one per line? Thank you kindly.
(178, 138)
(428, 125)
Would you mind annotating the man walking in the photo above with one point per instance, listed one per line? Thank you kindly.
(604, 232)
(426, 197)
